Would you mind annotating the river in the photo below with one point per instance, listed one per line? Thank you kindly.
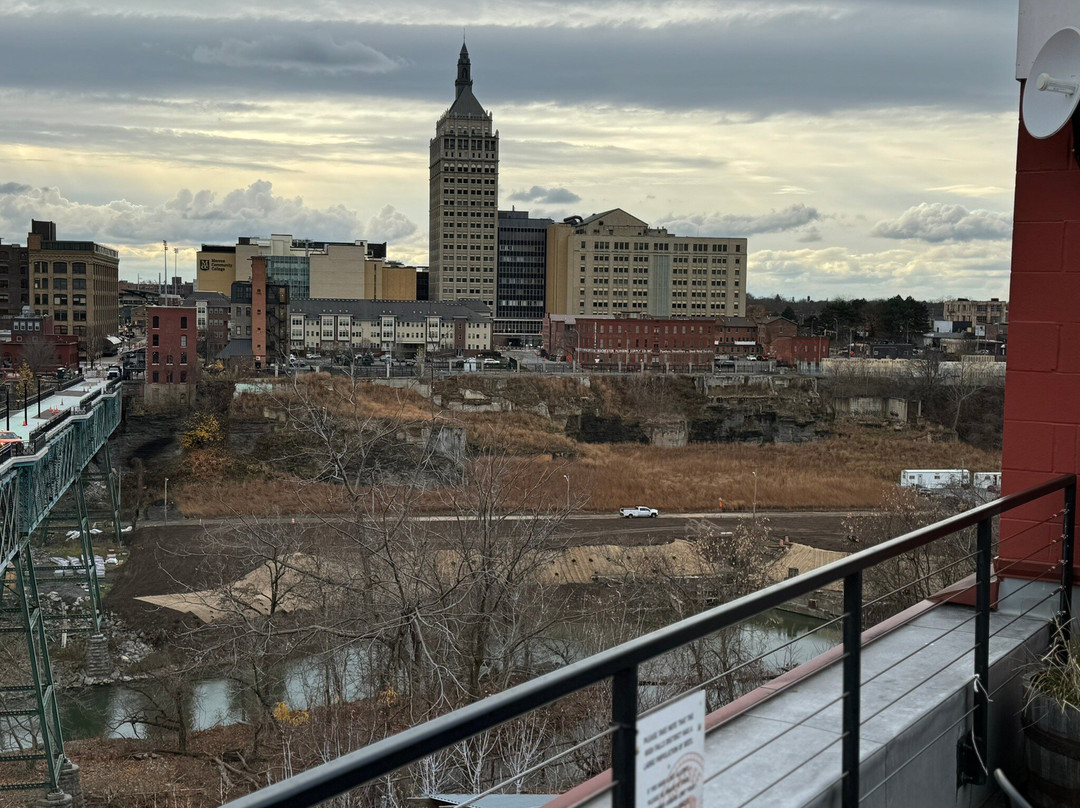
(101, 711)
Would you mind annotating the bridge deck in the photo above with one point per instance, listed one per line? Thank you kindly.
(50, 407)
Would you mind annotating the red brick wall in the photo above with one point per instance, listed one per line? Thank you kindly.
(258, 309)
(173, 361)
(789, 350)
(1042, 388)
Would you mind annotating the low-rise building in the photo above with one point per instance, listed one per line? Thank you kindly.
(400, 328)
(34, 342)
(796, 350)
(737, 336)
(630, 342)
(172, 365)
(977, 312)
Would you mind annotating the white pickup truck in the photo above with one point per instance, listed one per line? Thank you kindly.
(638, 510)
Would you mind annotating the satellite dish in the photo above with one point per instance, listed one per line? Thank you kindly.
(1053, 85)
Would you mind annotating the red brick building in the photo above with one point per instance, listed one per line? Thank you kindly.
(34, 341)
(1042, 390)
(794, 350)
(630, 341)
(737, 336)
(172, 364)
(772, 329)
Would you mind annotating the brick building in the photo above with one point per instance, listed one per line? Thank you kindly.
(773, 328)
(34, 341)
(630, 342)
(172, 364)
(795, 350)
(259, 320)
(76, 283)
(14, 280)
(737, 336)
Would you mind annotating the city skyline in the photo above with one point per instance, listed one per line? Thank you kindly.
(864, 149)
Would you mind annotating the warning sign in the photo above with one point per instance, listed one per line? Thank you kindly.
(671, 755)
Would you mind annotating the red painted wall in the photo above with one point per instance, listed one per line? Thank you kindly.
(1042, 383)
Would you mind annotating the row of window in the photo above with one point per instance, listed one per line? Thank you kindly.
(60, 267)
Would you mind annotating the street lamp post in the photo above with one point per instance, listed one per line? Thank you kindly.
(567, 478)
(166, 500)
(753, 511)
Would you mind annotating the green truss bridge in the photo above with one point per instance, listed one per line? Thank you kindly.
(61, 452)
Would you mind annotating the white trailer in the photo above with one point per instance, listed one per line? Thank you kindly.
(930, 479)
(990, 480)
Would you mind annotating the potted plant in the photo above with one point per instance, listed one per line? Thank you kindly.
(1051, 721)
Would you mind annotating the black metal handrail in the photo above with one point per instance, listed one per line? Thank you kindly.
(620, 664)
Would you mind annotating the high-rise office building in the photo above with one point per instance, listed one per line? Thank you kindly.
(464, 193)
(519, 300)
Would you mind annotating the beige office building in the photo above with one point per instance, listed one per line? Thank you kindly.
(612, 262)
(76, 283)
(464, 193)
(311, 269)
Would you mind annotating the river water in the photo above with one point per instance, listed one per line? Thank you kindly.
(102, 711)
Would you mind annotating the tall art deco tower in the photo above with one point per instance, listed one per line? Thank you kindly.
(464, 193)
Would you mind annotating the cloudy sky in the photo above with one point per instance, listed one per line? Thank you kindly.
(865, 147)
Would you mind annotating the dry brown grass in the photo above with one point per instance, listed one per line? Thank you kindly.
(852, 470)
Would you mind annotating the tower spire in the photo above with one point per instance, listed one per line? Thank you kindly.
(464, 70)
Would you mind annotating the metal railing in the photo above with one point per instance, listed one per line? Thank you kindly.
(620, 666)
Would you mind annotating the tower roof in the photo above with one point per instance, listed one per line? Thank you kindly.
(465, 102)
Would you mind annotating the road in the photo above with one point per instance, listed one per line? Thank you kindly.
(823, 529)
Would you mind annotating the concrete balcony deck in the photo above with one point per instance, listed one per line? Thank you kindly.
(780, 745)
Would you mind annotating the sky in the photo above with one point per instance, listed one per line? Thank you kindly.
(865, 148)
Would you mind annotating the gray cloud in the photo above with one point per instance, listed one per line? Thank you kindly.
(14, 188)
(936, 222)
(545, 196)
(389, 225)
(857, 54)
(303, 53)
(728, 224)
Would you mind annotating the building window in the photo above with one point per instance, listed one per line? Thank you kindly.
(79, 268)
(183, 376)
(60, 267)
(155, 322)
(168, 359)
(156, 377)
(183, 340)
(154, 340)
(183, 359)
(157, 358)
(183, 322)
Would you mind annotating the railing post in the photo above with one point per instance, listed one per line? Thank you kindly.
(976, 773)
(1067, 547)
(624, 742)
(852, 683)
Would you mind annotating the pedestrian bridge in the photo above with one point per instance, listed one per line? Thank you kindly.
(56, 435)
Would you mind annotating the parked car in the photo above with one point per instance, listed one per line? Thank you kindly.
(638, 510)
